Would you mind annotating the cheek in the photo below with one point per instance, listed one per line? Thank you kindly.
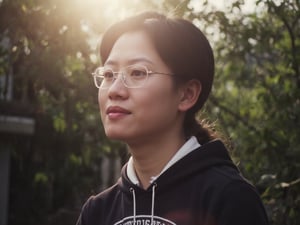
(158, 104)
(101, 101)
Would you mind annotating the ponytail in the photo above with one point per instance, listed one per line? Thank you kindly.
(202, 130)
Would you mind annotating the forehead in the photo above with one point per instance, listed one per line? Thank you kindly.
(134, 47)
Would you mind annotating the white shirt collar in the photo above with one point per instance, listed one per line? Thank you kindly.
(188, 147)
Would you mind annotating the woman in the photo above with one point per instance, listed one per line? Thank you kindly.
(157, 75)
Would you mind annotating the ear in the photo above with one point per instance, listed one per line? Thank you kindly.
(189, 95)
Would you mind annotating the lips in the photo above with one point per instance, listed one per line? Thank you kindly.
(116, 112)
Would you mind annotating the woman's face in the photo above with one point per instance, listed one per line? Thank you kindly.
(138, 114)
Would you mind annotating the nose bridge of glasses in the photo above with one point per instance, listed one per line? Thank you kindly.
(120, 73)
(116, 75)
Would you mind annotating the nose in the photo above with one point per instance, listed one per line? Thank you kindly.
(117, 90)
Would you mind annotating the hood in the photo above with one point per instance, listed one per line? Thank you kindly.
(208, 155)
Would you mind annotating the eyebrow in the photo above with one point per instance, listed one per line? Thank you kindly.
(130, 61)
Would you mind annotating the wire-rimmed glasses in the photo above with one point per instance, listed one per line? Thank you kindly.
(134, 76)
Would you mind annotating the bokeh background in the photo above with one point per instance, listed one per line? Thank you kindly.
(53, 152)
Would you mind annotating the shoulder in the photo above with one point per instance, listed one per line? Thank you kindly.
(93, 208)
(229, 183)
(236, 199)
(243, 199)
(230, 174)
(106, 196)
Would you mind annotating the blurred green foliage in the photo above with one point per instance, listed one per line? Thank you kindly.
(255, 100)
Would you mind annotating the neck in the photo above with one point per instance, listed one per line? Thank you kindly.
(149, 158)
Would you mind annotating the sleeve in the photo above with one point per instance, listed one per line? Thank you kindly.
(241, 205)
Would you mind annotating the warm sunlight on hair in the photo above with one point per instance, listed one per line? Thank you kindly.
(96, 15)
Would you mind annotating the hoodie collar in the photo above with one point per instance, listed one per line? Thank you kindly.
(188, 147)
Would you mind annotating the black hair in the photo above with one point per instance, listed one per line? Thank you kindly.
(183, 48)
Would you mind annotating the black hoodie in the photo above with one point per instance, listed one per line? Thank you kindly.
(202, 188)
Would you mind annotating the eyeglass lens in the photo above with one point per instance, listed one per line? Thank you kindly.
(132, 76)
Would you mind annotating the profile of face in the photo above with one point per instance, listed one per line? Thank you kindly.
(139, 114)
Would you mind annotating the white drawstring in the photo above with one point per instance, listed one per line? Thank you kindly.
(134, 205)
(152, 204)
(153, 198)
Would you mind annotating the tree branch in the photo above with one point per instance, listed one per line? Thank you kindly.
(233, 114)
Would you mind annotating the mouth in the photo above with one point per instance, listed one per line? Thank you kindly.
(116, 112)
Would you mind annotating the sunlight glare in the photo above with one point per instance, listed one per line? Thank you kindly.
(111, 10)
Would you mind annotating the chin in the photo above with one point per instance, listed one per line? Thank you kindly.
(116, 136)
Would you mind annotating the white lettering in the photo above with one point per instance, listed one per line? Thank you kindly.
(144, 220)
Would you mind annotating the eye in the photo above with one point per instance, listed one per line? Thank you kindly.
(138, 73)
(108, 74)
